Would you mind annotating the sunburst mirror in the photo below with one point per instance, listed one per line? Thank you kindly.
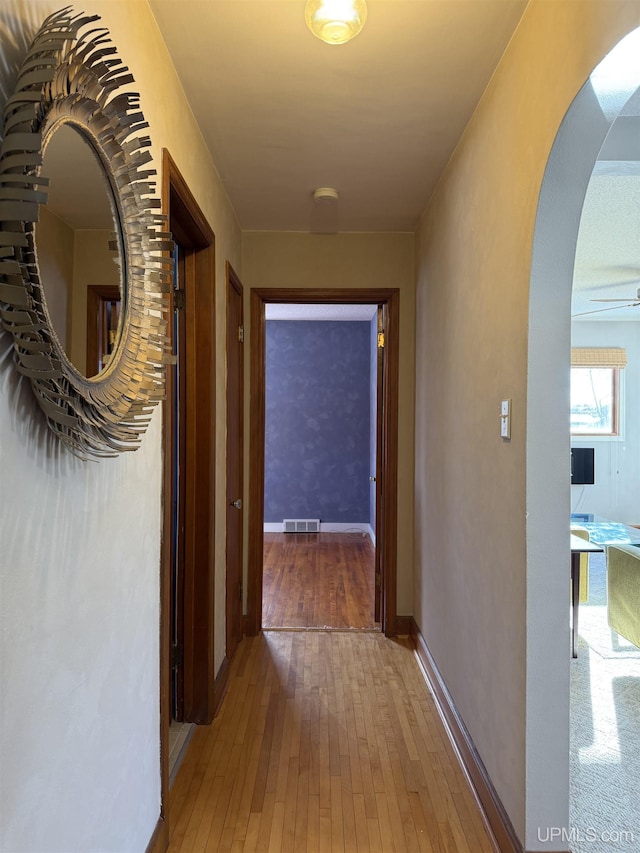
(79, 219)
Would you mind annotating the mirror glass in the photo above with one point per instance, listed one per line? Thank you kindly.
(79, 248)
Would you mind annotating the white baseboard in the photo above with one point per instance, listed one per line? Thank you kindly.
(344, 527)
(329, 527)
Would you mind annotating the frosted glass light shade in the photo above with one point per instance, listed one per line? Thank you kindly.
(335, 21)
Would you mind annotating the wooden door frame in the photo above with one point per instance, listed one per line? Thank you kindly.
(191, 229)
(234, 283)
(380, 432)
(390, 297)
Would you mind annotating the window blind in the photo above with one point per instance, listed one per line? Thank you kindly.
(598, 357)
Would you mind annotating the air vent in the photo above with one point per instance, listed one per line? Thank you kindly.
(301, 525)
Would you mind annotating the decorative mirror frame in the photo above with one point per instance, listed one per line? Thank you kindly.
(72, 75)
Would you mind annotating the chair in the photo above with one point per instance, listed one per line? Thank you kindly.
(583, 533)
(623, 591)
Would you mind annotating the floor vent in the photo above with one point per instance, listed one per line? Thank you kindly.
(301, 525)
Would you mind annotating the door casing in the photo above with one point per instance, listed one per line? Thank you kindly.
(389, 298)
(196, 238)
(235, 467)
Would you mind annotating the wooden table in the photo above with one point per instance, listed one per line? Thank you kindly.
(578, 546)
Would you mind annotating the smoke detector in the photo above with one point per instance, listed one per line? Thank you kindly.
(325, 195)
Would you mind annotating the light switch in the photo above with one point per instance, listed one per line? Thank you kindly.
(505, 419)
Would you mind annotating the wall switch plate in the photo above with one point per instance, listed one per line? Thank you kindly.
(505, 419)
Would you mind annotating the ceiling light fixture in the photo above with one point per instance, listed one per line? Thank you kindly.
(325, 195)
(335, 21)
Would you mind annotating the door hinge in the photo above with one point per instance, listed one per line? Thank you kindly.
(239, 590)
(179, 300)
(378, 578)
(177, 656)
(241, 334)
(380, 340)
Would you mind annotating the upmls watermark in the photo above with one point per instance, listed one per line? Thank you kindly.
(577, 834)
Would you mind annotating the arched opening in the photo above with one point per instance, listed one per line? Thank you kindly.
(608, 91)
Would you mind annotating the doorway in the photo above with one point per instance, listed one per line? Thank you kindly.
(103, 316)
(570, 166)
(320, 467)
(187, 691)
(386, 475)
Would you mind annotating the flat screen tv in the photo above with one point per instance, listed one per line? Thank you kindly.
(582, 466)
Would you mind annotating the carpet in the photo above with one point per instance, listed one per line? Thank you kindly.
(605, 731)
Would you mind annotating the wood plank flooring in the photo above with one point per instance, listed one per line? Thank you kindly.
(326, 741)
(318, 580)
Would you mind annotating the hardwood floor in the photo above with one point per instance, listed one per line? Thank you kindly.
(318, 580)
(326, 741)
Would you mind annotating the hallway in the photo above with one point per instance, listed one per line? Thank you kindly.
(326, 741)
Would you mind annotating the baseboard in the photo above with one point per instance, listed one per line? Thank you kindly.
(159, 841)
(496, 817)
(404, 626)
(220, 685)
(327, 527)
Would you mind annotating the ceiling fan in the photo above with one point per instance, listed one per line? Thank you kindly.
(635, 298)
(627, 302)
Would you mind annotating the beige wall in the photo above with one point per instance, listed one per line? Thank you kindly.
(54, 240)
(79, 594)
(69, 261)
(473, 269)
(271, 259)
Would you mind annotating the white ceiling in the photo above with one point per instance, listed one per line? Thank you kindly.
(377, 118)
(607, 261)
(608, 251)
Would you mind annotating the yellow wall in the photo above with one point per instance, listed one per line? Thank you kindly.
(473, 269)
(277, 259)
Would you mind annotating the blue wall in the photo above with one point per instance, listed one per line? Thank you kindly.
(317, 430)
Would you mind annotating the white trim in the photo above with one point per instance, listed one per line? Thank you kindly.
(548, 494)
(328, 527)
(343, 527)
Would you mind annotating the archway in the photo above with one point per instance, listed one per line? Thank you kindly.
(569, 168)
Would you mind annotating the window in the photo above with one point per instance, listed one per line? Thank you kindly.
(594, 400)
(595, 390)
